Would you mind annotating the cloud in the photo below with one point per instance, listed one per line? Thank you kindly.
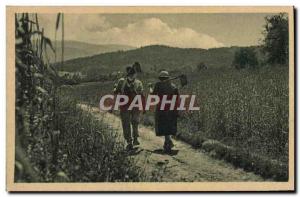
(93, 28)
(95, 23)
(154, 31)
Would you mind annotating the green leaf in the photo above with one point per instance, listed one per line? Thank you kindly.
(61, 177)
(37, 22)
(57, 21)
(48, 42)
(41, 90)
(35, 32)
(29, 21)
(38, 75)
(20, 64)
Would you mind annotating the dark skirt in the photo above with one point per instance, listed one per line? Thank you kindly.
(165, 123)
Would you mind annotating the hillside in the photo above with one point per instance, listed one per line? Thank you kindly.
(153, 57)
(75, 49)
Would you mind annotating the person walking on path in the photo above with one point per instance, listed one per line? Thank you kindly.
(166, 119)
(130, 86)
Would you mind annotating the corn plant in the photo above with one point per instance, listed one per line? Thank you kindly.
(55, 141)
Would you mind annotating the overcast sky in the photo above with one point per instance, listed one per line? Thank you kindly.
(179, 30)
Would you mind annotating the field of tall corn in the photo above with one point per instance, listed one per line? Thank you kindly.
(55, 140)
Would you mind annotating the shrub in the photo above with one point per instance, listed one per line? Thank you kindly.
(245, 58)
(201, 66)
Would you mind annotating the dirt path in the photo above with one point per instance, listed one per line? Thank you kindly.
(186, 163)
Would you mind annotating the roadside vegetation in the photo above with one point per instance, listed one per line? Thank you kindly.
(56, 141)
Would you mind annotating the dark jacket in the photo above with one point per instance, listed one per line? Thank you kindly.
(166, 120)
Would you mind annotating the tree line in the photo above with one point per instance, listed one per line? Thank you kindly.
(275, 45)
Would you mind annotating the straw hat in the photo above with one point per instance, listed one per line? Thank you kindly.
(164, 74)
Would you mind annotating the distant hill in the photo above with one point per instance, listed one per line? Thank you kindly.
(75, 49)
(154, 57)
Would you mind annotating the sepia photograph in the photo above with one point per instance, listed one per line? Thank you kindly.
(150, 99)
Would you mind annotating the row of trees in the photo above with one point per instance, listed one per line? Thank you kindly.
(275, 46)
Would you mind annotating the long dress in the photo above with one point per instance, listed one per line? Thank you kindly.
(166, 119)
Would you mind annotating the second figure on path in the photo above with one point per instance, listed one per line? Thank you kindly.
(166, 118)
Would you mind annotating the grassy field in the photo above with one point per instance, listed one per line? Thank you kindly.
(245, 109)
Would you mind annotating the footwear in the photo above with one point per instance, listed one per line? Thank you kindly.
(171, 144)
(167, 148)
(129, 146)
(168, 145)
(136, 142)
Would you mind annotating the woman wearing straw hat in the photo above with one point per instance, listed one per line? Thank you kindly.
(166, 118)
